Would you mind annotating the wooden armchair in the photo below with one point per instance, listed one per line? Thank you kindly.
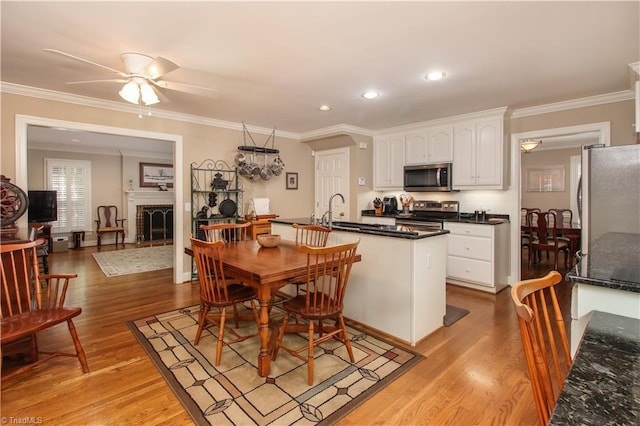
(29, 305)
(544, 339)
(108, 222)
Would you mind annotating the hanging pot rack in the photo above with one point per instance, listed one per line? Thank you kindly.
(249, 168)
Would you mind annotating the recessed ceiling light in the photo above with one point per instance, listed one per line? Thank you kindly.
(435, 75)
(370, 94)
(324, 108)
(75, 140)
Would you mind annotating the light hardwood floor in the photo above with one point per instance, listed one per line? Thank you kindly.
(474, 371)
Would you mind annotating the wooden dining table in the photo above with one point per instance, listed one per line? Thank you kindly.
(266, 270)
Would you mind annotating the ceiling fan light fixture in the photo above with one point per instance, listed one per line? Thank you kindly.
(529, 145)
(130, 92)
(149, 96)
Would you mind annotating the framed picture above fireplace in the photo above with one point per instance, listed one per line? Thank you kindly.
(154, 175)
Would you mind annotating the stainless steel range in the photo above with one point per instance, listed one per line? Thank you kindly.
(429, 214)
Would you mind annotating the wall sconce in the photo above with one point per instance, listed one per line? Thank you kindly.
(529, 145)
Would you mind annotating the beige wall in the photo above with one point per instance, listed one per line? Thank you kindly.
(106, 175)
(547, 200)
(619, 114)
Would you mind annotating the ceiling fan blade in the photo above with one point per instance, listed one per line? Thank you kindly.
(114, 80)
(163, 99)
(159, 67)
(87, 61)
(188, 88)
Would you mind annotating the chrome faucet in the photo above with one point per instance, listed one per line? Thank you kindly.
(330, 211)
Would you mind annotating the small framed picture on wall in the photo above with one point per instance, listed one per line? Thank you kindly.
(292, 181)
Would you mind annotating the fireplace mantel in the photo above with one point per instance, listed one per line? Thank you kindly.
(135, 198)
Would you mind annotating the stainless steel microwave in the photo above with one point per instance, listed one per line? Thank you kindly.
(428, 178)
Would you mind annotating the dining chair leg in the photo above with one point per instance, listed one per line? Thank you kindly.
(223, 316)
(310, 358)
(204, 310)
(345, 337)
(276, 347)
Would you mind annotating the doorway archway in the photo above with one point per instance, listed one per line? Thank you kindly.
(21, 144)
(603, 132)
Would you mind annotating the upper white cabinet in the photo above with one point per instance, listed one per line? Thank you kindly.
(429, 145)
(478, 154)
(388, 161)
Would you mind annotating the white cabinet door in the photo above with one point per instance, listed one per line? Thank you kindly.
(440, 144)
(478, 155)
(416, 147)
(464, 154)
(489, 152)
(429, 145)
(388, 162)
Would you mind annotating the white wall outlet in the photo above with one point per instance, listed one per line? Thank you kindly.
(187, 207)
(362, 145)
(361, 181)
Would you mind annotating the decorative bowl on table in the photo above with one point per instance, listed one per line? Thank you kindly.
(268, 240)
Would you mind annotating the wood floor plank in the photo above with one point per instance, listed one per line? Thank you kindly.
(474, 372)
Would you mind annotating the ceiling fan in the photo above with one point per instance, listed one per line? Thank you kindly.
(142, 78)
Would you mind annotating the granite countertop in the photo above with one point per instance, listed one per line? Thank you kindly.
(612, 262)
(406, 232)
(603, 385)
(491, 219)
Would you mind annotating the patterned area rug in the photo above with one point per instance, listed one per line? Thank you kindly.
(233, 393)
(133, 261)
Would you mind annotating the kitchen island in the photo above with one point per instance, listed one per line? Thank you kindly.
(399, 287)
(607, 280)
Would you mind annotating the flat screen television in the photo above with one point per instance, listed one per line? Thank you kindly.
(43, 206)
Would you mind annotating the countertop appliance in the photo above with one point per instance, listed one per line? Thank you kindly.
(609, 192)
(430, 214)
(428, 178)
(389, 205)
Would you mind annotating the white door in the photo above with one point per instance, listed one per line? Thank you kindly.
(332, 176)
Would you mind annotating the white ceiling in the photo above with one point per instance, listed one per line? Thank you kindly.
(276, 62)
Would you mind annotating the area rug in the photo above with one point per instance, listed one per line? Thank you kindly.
(453, 314)
(132, 261)
(233, 393)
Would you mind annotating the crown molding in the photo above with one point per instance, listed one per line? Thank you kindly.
(338, 129)
(607, 98)
(495, 112)
(35, 92)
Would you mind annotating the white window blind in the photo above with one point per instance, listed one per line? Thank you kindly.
(72, 180)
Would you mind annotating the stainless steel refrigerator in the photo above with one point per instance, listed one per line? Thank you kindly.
(610, 192)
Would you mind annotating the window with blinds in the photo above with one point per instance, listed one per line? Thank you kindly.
(72, 180)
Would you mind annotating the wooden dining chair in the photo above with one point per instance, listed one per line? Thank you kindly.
(328, 270)
(544, 339)
(545, 237)
(32, 302)
(312, 236)
(108, 222)
(525, 236)
(226, 232)
(216, 293)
